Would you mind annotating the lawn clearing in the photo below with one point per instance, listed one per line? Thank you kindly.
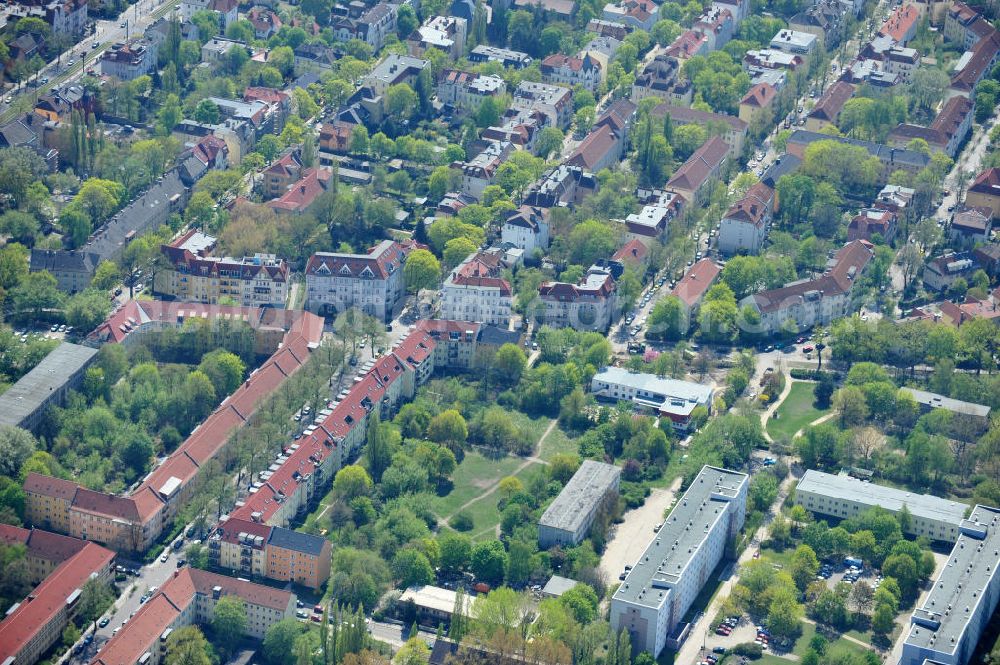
(795, 412)
(473, 478)
(557, 443)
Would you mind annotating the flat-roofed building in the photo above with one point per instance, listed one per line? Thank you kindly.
(670, 398)
(24, 403)
(433, 604)
(842, 496)
(568, 519)
(667, 578)
(947, 626)
(980, 413)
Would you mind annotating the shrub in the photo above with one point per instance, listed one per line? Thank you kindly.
(461, 522)
(748, 649)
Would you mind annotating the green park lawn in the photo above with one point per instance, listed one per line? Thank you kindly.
(795, 412)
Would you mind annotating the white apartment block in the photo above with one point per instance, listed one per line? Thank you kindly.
(527, 229)
(371, 282)
(744, 227)
(667, 578)
(948, 625)
(466, 90)
(476, 291)
(842, 496)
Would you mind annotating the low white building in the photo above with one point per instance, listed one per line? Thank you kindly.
(568, 519)
(669, 398)
(446, 33)
(663, 583)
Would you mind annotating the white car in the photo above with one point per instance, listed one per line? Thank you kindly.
(163, 559)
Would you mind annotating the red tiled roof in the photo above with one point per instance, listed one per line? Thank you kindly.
(699, 167)
(631, 252)
(382, 260)
(594, 148)
(303, 193)
(57, 488)
(13, 535)
(987, 182)
(830, 104)
(754, 205)
(49, 598)
(983, 54)
(900, 22)
(849, 263)
(760, 95)
(697, 281)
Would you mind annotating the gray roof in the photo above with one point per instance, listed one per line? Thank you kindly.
(650, 383)
(678, 540)
(64, 260)
(587, 486)
(890, 498)
(784, 165)
(935, 401)
(494, 335)
(33, 389)
(141, 215)
(883, 152)
(938, 625)
(294, 540)
(557, 586)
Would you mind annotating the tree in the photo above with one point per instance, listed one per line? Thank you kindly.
(37, 292)
(550, 140)
(804, 566)
(229, 622)
(507, 365)
(400, 101)
(850, 404)
(412, 568)
(884, 619)
(352, 481)
(414, 652)
(19, 167)
(406, 22)
(378, 451)
(279, 640)
(224, 369)
(448, 428)
(188, 646)
(784, 614)
(456, 550)
(582, 601)
(457, 250)
(422, 271)
(207, 112)
(488, 562)
(502, 610)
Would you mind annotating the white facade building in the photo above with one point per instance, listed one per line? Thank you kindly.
(667, 397)
(372, 282)
(670, 574)
(476, 291)
(527, 229)
(842, 496)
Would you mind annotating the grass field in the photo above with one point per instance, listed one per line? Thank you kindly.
(795, 412)
(475, 475)
(557, 443)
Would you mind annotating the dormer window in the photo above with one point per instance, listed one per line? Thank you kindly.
(345, 270)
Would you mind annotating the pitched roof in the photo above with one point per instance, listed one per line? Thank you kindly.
(760, 95)
(381, 261)
(987, 182)
(754, 205)
(297, 541)
(49, 599)
(983, 54)
(700, 166)
(303, 193)
(631, 252)
(594, 148)
(685, 115)
(56, 488)
(848, 264)
(830, 104)
(697, 281)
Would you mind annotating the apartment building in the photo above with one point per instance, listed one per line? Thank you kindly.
(568, 519)
(964, 26)
(47, 384)
(732, 130)
(669, 398)
(806, 303)
(466, 90)
(258, 550)
(571, 70)
(129, 60)
(744, 226)
(641, 14)
(479, 172)
(718, 25)
(505, 56)
(892, 159)
(978, 414)
(793, 42)
(758, 100)
(445, 33)
(950, 128)
(189, 598)
(841, 496)
(694, 178)
(984, 192)
(560, 186)
(553, 101)
(948, 625)
(281, 175)
(661, 78)
(901, 25)
(828, 108)
(526, 228)
(195, 275)
(32, 626)
(588, 305)
(870, 222)
(666, 579)
(67, 18)
(394, 69)
(943, 271)
(652, 222)
(372, 26)
(132, 523)
(372, 282)
(475, 290)
(73, 269)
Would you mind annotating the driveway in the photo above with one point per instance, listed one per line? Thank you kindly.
(631, 537)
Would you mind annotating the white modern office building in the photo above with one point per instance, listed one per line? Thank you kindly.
(652, 601)
(842, 496)
(949, 623)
